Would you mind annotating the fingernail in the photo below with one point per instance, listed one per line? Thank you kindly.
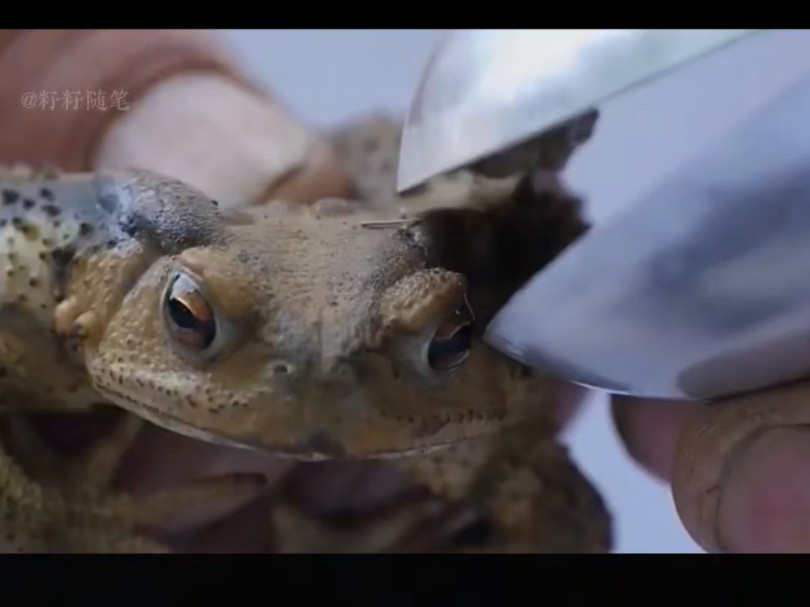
(765, 501)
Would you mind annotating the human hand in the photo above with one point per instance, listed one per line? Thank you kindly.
(738, 476)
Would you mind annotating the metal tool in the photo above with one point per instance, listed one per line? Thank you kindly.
(485, 91)
(698, 290)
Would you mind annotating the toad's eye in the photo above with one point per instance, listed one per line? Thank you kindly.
(451, 342)
(190, 318)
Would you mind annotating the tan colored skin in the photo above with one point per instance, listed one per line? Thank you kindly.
(321, 316)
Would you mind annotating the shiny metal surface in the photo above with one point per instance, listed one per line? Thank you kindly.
(698, 290)
(485, 91)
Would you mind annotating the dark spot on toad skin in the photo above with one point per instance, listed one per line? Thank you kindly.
(51, 210)
(10, 196)
(30, 231)
(46, 194)
(61, 261)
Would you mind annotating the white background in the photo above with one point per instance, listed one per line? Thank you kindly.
(327, 76)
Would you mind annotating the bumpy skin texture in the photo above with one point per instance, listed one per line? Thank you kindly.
(309, 332)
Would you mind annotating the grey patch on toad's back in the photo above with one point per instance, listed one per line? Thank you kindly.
(32, 237)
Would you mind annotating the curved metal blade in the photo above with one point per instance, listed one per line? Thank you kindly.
(700, 289)
(485, 91)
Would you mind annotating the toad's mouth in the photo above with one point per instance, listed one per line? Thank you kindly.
(175, 424)
(167, 421)
(308, 450)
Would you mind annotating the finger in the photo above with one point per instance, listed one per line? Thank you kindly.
(741, 480)
(411, 525)
(196, 505)
(320, 177)
(346, 488)
(650, 430)
(567, 401)
(247, 531)
(160, 459)
(238, 147)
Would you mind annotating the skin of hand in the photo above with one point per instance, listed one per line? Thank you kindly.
(239, 147)
(737, 467)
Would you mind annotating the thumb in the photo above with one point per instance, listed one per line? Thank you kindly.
(239, 147)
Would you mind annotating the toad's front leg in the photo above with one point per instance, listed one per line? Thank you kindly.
(50, 502)
(94, 465)
(531, 495)
(37, 518)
